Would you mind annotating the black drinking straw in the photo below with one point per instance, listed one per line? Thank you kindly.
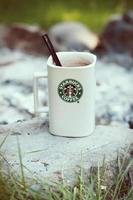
(51, 49)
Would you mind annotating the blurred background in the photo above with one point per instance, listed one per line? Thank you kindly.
(103, 27)
(94, 13)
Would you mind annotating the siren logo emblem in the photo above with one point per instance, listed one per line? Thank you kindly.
(70, 90)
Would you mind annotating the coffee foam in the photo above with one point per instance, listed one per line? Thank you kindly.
(75, 63)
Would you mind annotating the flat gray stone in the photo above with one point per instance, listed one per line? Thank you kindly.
(47, 156)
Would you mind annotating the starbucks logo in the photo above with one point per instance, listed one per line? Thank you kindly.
(70, 90)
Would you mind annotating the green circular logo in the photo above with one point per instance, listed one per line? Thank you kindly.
(70, 90)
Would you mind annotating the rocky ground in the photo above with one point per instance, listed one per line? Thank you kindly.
(114, 89)
(52, 157)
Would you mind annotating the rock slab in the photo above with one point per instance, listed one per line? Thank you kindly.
(46, 156)
(69, 36)
(23, 37)
(117, 35)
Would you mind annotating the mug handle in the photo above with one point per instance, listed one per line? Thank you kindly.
(38, 110)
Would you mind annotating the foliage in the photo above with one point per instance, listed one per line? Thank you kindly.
(93, 13)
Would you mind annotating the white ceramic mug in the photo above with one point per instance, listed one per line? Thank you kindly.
(71, 92)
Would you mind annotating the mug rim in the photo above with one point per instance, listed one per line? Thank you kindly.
(92, 64)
